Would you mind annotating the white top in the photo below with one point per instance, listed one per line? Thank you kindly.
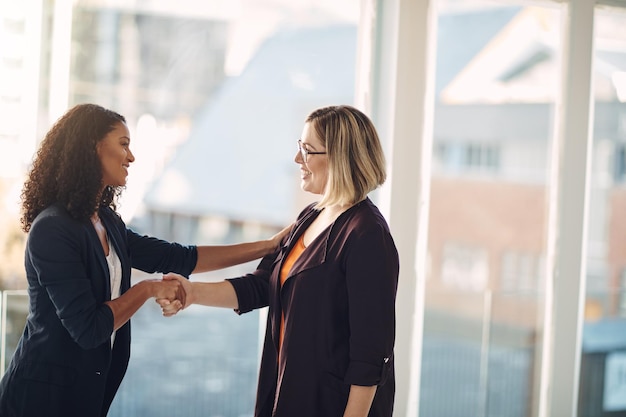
(115, 274)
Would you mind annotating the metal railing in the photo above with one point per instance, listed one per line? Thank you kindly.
(479, 357)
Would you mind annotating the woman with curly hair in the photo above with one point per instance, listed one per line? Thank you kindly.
(75, 347)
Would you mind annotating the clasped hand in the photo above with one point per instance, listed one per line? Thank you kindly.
(172, 305)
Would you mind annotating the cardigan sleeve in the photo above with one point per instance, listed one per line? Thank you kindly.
(55, 250)
(252, 289)
(372, 268)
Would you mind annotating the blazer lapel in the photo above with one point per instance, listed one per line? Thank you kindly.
(101, 258)
(117, 240)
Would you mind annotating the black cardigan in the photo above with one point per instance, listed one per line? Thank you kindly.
(339, 306)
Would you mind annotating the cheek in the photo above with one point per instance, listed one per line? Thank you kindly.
(321, 178)
(323, 172)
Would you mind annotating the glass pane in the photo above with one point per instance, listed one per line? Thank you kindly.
(217, 99)
(14, 311)
(603, 356)
(215, 94)
(203, 361)
(497, 79)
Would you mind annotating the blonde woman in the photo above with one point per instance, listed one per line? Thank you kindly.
(331, 288)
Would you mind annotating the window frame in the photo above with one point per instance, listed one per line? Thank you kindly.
(395, 70)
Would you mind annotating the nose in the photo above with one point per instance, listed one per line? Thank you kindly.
(298, 158)
(131, 156)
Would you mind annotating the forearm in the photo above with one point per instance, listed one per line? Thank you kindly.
(128, 303)
(211, 258)
(215, 294)
(359, 401)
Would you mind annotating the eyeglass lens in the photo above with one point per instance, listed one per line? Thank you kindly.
(303, 151)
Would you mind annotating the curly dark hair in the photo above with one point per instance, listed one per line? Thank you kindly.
(66, 169)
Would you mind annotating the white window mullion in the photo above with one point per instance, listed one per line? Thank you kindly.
(567, 234)
(60, 59)
(395, 85)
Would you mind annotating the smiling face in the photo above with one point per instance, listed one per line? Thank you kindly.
(115, 156)
(313, 172)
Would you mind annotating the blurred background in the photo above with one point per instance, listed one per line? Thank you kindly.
(216, 93)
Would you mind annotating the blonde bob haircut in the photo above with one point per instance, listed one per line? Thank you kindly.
(356, 163)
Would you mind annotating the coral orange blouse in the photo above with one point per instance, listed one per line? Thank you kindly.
(293, 256)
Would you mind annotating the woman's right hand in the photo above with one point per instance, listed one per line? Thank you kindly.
(169, 306)
(278, 237)
(166, 289)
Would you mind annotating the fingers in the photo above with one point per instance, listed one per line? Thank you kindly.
(186, 289)
(172, 293)
(285, 231)
(170, 276)
(278, 237)
(170, 309)
(167, 289)
(181, 295)
(163, 302)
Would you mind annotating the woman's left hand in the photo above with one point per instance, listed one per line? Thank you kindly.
(169, 308)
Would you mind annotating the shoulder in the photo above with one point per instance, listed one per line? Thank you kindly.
(55, 227)
(306, 211)
(367, 234)
(365, 216)
(54, 216)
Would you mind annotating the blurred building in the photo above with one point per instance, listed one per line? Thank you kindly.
(255, 119)
(115, 61)
(491, 150)
(492, 134)
(20, 63)
(55, 54)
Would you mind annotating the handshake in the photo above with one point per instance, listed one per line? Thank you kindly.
(172, 293)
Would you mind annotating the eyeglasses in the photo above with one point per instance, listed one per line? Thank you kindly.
(304, 152)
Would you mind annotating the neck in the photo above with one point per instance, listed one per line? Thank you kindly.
(335, 210)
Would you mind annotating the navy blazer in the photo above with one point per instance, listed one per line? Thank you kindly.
(339, 307)
(64, 364)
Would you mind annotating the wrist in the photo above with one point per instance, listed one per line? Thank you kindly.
(268, 247)
(146, 288)
(189, 295)
(272, 245)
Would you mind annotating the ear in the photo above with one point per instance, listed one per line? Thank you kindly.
(99, 147)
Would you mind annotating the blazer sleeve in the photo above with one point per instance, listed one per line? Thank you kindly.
(151, 255)
(56, 248)
(371, 268)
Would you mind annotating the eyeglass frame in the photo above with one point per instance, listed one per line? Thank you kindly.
(304, 152)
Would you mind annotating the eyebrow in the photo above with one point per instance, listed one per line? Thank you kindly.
(307, 144)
